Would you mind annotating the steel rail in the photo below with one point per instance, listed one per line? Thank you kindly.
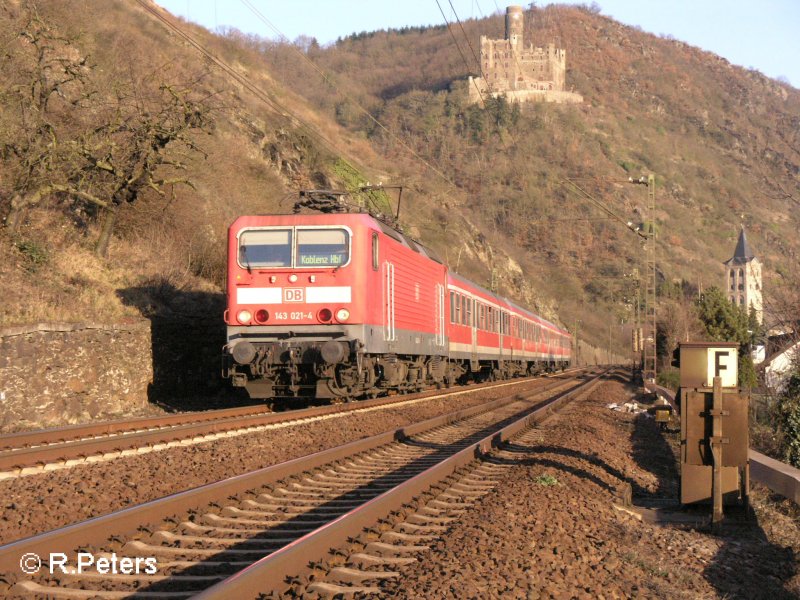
(98, 530)
(161, 430)
(269, 574)
(38, 437)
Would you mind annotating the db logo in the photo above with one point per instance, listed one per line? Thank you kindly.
(293, 294)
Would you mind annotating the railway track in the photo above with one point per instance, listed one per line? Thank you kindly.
(380, 553)
(214, 537)
(29, 453)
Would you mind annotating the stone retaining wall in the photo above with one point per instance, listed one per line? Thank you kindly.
(55, 374)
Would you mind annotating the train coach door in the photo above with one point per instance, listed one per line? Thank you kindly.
(502, 318)
(472, 315)
(389, 332)
(440, 323)
(498, 328)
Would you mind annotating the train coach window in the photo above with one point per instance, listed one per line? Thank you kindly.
(375, 251)
(452, 307)
(265, 248)
(322, 248)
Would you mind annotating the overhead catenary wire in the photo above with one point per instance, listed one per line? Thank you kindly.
(260, 93)
(611, 214)
(475, 56)
(298, 123)
(242, 80)
(347, 96)
(466, 37)
(458, 47)
(604, 208)
(568, 220)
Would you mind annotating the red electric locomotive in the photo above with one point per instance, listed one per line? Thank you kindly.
(345, 306)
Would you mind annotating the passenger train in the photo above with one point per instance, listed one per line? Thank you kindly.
(344, 306)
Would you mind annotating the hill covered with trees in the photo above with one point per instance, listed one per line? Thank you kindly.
(126, 151)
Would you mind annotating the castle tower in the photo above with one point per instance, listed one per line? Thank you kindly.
(743, 278)
(515, 25)
(520, 73)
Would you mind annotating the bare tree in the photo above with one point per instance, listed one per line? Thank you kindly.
(141, 146)
(41, 68)
(125, 140)
(782, 303)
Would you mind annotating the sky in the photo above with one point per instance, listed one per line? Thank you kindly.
(762, 34)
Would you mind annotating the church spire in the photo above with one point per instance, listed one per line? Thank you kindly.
(743, 253)
(743, 277)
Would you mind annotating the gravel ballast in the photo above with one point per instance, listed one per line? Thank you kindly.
(551, 530)
(38, 503)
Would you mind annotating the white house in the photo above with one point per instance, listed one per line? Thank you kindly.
(780, 367)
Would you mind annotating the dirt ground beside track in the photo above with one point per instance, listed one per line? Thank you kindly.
(550, 530)
(42, 502)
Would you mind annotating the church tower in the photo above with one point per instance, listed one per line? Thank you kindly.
(743, 278)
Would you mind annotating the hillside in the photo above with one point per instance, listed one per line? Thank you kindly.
(722, 141)
(487, 188)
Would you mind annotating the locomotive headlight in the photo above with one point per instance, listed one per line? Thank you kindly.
(244, 316)
(262, 315)
(342, 314)
(292, 278)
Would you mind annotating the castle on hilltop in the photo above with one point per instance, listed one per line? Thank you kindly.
(520, 74)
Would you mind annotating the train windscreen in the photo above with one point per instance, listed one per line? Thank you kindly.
(259, 248)
(322, 248)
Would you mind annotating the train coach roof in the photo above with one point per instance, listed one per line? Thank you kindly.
(511, 303)
(407, 241)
